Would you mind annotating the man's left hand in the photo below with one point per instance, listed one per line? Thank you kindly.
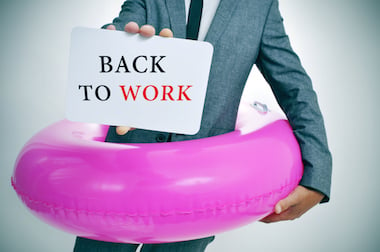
(295, 205)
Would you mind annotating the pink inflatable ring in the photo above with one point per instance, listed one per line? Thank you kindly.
(159, 192)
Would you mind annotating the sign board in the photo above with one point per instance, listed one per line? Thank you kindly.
(156, 83)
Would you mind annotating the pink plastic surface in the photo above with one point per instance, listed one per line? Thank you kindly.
(159, 192)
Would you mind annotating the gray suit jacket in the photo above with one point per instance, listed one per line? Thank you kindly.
(265, 44)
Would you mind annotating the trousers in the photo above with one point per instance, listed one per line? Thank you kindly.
(88, 245)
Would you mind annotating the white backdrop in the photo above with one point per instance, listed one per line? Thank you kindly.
(337, 41)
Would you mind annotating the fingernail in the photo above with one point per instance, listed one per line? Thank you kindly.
(278, 209)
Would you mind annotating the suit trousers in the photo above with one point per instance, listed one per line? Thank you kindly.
(88, 245)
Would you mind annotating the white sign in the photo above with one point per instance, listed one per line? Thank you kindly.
(117, 78)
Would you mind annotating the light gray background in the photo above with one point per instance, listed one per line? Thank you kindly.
(337, 41)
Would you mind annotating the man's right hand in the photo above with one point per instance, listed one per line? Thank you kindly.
(146, 31)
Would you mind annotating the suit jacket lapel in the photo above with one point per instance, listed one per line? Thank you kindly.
(177, 16)
(221, 18)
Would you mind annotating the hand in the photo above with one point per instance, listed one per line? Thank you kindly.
(295, 205)
(146, 31)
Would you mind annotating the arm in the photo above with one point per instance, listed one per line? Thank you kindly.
(131, 11)
(293, 90)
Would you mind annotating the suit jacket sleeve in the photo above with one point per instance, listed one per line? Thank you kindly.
(293, 90)
(131, 10)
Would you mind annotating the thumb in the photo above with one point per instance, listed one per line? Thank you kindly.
(285, 204)
(122, 130)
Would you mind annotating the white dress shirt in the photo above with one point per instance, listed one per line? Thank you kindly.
(208, 13)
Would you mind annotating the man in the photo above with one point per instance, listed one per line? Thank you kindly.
(243, 33)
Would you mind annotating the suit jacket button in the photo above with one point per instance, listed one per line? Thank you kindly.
(160, 138)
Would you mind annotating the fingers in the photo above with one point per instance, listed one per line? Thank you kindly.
(146, 30)
(290, 214)
(122, 130)
(166, 32)
(295, 205)
(111, 27)
(132, 27)
(284, 210)
(294, 198)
